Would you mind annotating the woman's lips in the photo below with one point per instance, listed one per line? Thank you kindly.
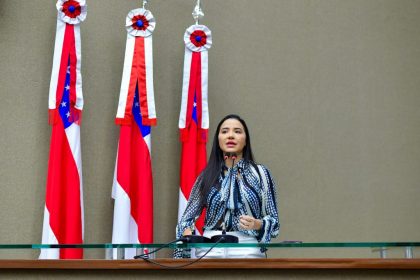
(230, 144)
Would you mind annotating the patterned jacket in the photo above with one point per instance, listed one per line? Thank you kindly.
(245, 189)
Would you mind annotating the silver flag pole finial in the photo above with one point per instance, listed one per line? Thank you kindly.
(197, 12)
(144, 3)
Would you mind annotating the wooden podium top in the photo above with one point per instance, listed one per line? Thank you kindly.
(321, 263)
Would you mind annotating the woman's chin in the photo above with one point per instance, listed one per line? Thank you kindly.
(231, 150)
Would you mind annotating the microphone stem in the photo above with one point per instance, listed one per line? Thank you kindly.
(232, 185)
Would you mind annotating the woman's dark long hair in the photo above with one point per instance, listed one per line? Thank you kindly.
(211, 173)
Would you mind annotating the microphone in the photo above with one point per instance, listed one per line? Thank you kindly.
(227, 155)
(233, 156)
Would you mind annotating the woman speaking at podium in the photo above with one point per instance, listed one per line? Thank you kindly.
(239, 195)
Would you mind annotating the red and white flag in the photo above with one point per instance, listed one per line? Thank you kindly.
(194, 115)
(63, 215)
(133, 184)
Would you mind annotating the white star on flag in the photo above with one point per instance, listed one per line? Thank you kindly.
(68, 114)
(136, 104)
(67, 87)
(195, 104)
(63, 104)
(68, 69)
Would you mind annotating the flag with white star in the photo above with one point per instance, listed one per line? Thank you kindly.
(132, 189)
(63, 212)
(194, 114)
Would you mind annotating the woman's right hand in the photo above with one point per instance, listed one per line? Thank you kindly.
(187, 231)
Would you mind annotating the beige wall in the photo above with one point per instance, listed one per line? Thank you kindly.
(329, 90)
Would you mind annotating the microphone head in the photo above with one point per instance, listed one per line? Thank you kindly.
(227, 155)
(234, 156)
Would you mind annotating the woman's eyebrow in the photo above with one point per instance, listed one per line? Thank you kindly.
(222, 128)
(227, 127)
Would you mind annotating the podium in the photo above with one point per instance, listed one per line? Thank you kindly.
(285, 261)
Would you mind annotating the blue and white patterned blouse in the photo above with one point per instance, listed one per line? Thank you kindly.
(242, 190)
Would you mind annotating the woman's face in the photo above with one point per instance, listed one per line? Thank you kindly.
(232, 137)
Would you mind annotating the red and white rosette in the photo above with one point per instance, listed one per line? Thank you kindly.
(67, 57)
(198, 41)
(72, 11)
(138, 69)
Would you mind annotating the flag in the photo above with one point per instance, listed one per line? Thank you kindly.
(194, 115)
(133, 183)
(63, 213)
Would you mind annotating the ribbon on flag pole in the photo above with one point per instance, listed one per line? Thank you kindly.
(194, 115)
(67, 55)
(63, 213)
(133, 183)
(138, 68)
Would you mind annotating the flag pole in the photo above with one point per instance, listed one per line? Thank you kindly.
(197, 13)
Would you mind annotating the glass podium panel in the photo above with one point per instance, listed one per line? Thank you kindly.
(288, 249)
